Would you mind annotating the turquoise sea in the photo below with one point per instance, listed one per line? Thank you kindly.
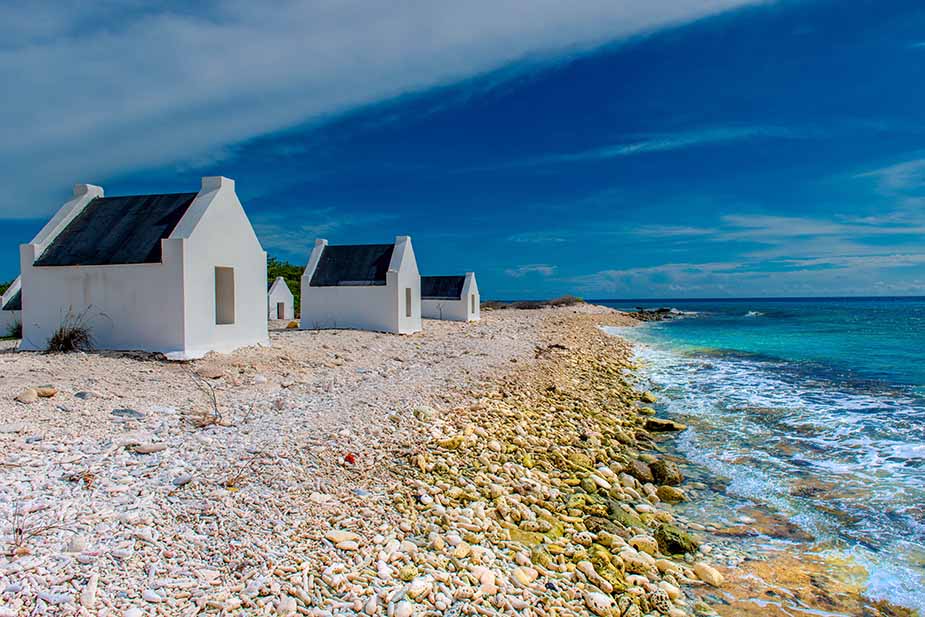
(813, 409)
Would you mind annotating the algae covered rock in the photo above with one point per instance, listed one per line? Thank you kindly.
(647, 397)
(662, 425)
(639, 470)
(672, 541)
(670, 494)
(666, 472)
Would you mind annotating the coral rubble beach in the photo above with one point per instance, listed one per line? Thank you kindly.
(503, 467)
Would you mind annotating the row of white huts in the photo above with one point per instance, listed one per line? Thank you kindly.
(184, 274)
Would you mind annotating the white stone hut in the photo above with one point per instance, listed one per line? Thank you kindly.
(11, 307)
(454, 298)
(363, 287)
(182, 274)
(280, 301)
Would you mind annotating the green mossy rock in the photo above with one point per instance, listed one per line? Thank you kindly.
(672, 541)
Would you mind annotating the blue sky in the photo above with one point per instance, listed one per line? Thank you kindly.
(690, 148)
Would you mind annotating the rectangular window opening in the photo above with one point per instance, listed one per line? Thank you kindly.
(407, 302)
(224, 296)
(473, 302)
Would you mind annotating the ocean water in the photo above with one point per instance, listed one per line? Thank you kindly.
(811, 409)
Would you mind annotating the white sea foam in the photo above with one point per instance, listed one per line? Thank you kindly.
(761, 424)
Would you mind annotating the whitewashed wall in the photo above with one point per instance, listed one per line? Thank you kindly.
(456, 310)
(374, 307)
(125, 307)
(217, 232)
(279, 292)
(167, 307)
(9, 318)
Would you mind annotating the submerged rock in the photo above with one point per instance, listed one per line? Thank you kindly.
(666, 472)
(663, 425)
(670, 494)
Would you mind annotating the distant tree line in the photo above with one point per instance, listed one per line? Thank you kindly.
(291, 273)
(5, 286)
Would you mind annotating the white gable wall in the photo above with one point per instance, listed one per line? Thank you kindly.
(405, 265)
(365, 307)
(166, 307)
(279, 292)
(215, 231)
(456, 310)
(9, 318)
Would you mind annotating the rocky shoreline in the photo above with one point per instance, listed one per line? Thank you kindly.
(508, 468)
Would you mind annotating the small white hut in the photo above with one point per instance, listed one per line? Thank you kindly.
(182, 274)
(11, 308)
(280, 301)
(454, 298)
(363, 287)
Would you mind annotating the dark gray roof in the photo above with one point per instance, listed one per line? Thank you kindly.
(117, 230)
(442, 287)
(353, 264)
(14, 303)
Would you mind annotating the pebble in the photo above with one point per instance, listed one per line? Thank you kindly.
(88, 594)
(128, 413)
(337, 536)
(182, 480)
(77, 544)
(403, 609)
(525, 576)
(27, 396)
(708, 574)
(149, 595)
(599, 603)
(149, 448)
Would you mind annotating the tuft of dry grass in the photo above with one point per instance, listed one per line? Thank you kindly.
(213, 415)
(72, 335)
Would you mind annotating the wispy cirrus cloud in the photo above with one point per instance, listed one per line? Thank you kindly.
(539, 237)
(278, 231)
(540, 269)
(666, 142)
(899, 176)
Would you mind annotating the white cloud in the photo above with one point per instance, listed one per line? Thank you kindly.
(279, 232)
(845, 275)
(677, 141)
(92, 90)
(521, 271)
(539, 237)
(899, 177)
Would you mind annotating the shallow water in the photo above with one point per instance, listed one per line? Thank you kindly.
(811, 410)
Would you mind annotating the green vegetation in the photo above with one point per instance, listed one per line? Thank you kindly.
(5, 286)
(13, 331)
(495, 305)
(291, 273)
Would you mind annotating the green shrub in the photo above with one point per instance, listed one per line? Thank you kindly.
(14, 330)
(565, 301)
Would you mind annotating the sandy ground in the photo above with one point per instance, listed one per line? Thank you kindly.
(118, 490)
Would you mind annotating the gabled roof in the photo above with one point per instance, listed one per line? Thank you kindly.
(352, 264)
(279, 281)
(14, 303)
(442, 287)
(117, 230)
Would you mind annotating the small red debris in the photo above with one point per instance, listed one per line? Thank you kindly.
(350, 458)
